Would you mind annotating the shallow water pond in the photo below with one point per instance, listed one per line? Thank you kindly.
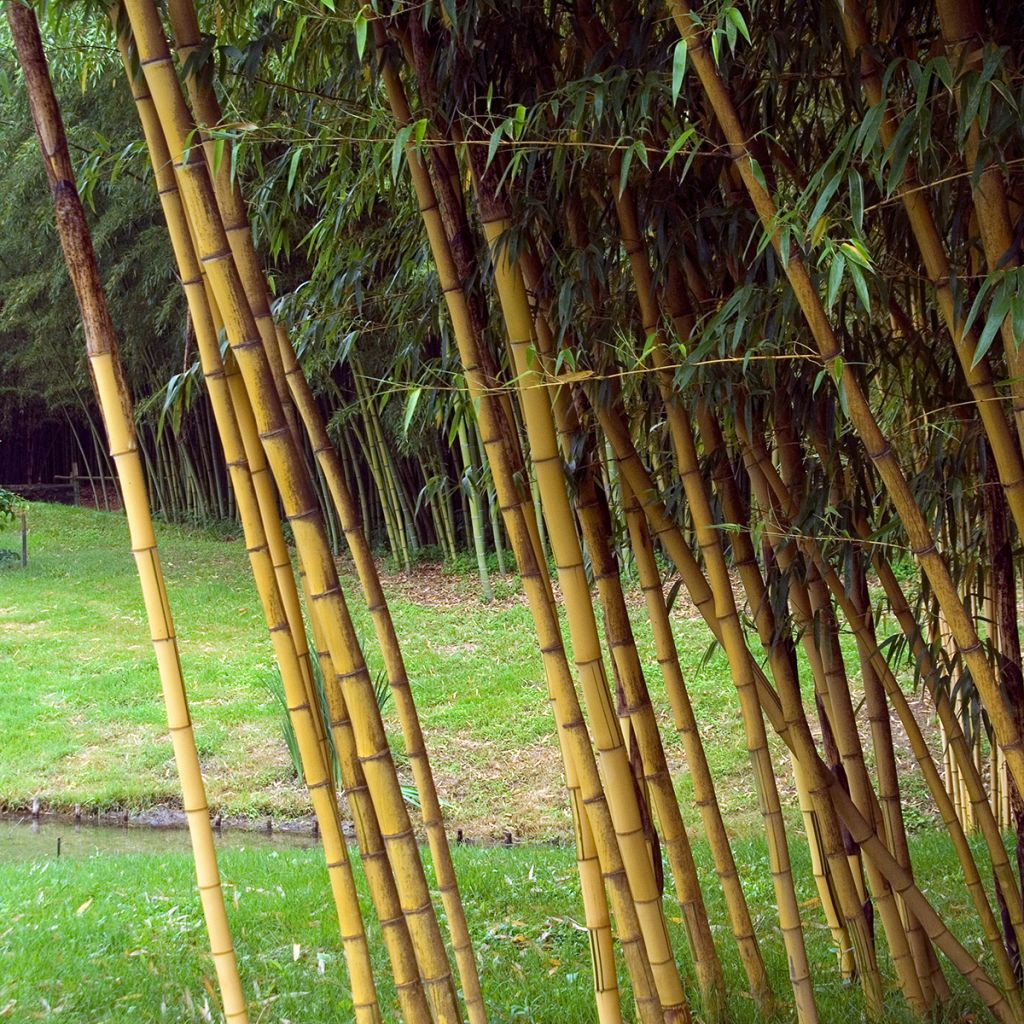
(25, 839)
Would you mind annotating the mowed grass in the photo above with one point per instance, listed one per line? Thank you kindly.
(121, 938)
(82, 720)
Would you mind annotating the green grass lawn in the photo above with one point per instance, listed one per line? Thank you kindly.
(120, 937)
(82, 720)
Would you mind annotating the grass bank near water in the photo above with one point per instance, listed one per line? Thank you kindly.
(82, 720)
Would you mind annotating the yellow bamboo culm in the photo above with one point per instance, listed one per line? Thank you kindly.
(300, 504)
(229, 200)
(565, 546)
(302, 706)
(580, 764)
(115, 406)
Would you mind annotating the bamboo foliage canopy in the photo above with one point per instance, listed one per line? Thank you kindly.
(728, 293)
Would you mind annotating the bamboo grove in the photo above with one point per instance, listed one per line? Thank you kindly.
(716, 299)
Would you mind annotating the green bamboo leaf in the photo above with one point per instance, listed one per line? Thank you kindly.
(678, 68)
(398, 149)
(410, 408)
(218, 152)
(996, 316)
(627, 159)
(736, 17)
(676, 146)
(835, 279)
(972, 313)
(855, 184)
(492, 146)
(360, 26)
(870, 127)
(293, 168)
(1017, 313)
(860, 286)
(518, 121)
(856, 251)
(824, 198)
(755, 169)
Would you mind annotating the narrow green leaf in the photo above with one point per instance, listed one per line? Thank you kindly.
(972, 313)
(855, 185)
(360, 26)
(755, 169)
(996, 316)
(736, 17)
(860, 286)
(293, 168)
(398, 150)
(676, 146)
(627, 159)
(835, 279)
(678, 68)
(218, 152)
(518, 121)
(492, 146)
(823, 199)
(410, 408)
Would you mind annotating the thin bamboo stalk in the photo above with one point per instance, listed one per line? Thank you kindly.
(745, 560)
(588, 801)
(547, 465)
(977, 372)
(637, 710)
(476, 512)
(115, 406)
(306, 522)
(303, 704)
(696, 759)
(595, 521)
(682, 437)
(187, 40)
(946, 805)
(877, 445)
(961, 31)
(860, 829)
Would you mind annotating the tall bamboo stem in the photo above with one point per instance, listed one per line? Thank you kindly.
(877, 445)
(115, 406)
(307, 525)
(187, 40)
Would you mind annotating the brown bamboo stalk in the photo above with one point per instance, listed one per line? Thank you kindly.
(914, 970)
(746, 563)
(115, 406)
(683, 443)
